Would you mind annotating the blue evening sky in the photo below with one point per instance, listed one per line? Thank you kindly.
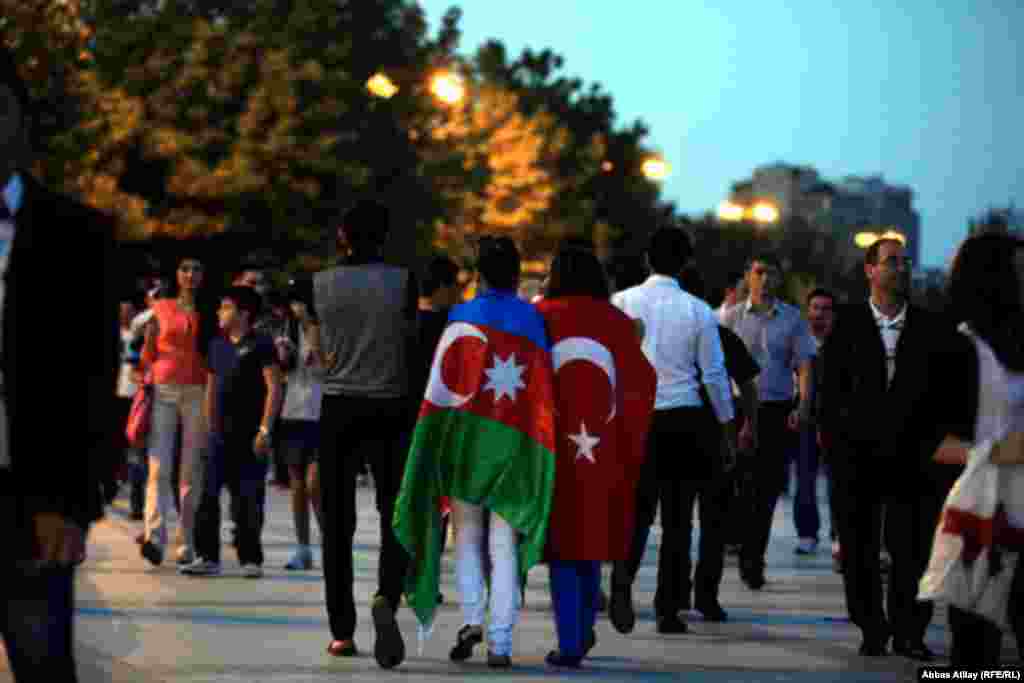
(930, 94)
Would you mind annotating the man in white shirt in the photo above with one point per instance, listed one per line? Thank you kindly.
(681, 340)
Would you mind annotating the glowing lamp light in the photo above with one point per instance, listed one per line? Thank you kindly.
(447, 87)
(727, 211)
(865, 239)
(894, 235)
(381, 86)
(607, 166)
(655, 168)
(765, 213)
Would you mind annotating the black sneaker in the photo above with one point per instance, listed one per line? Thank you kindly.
(498, 661)
(711, 610)
(672, 625)
(152, 552)
(557, 659)
(468, 638)
(388, 648)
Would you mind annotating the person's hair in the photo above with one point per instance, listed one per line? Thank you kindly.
(768, 258)
(822, 292)
(733, 280)
(10, 77)
(692, 281)
(300, 289)
(498, 261)
(366, 226)
(577, 272)
(441, 272)
(984, 292)
(669, 250)
(249, 268)
(871, 255)
(245, 299)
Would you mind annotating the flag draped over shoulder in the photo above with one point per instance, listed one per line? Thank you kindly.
(485, 435)
(605, 389)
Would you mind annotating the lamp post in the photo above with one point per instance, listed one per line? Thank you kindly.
(866, 238)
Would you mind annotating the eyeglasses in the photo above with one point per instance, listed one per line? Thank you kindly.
(190, 268)
(896, 262)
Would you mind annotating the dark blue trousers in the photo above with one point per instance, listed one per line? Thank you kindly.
(574, 588)
(36, 616)
(805, 502)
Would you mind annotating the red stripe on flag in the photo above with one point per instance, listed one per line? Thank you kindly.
(508, 379)
(979, 533)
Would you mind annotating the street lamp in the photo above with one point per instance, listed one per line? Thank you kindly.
(447, 87)
(655, 168)
(728, 211)
(765, 213)
(868, 237)
(381, 86)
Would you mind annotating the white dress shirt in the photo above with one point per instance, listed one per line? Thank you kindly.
(12, 196)
(890, 329)
(681, 333)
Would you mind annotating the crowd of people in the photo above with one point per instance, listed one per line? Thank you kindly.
(551, 431)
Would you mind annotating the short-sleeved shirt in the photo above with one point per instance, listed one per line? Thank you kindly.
(779, 340)
(241, 391)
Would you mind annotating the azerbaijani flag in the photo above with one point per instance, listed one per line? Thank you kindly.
(485, 435)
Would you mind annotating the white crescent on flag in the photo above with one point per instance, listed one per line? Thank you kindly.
(586, 349)
(437, 392)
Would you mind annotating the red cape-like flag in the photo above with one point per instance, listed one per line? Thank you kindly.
(604, 397)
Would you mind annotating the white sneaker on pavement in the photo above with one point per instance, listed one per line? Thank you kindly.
(201, 567)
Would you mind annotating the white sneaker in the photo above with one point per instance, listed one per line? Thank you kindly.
(201, 567)
(252, 571)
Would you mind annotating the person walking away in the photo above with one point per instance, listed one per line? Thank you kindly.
(367, 313)
(299, 432)
(983, 378)
(68, 406)
(242, 399)
(777, 336)
(681, 341)
(604, 400)
(714, 494)
(881, 377)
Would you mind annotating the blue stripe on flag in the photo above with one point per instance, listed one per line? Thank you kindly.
(506, 312)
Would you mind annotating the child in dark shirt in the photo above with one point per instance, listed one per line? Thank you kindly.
(243, 399)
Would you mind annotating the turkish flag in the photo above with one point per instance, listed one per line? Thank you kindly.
(604, 399)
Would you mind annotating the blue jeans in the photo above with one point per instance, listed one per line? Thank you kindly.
(36, 616)
(574, 588)
(805, 503)
(234, 465)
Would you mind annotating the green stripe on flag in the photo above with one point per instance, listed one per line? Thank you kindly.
(480, 461)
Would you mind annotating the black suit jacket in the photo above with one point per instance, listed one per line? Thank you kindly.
(60, 356)
(892, 428)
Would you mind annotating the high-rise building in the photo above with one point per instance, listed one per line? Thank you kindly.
(844, 208)
(1009, 220)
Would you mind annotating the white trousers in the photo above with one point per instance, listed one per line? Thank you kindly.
(469, 573)
(175, 405)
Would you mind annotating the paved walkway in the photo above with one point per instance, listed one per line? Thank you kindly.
(137, 623)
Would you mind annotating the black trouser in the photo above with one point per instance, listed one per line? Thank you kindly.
(911, 513)
(234, 465)
(36, 605)
(977, 642)
(352, 428)
(764, 477)
(682, 463)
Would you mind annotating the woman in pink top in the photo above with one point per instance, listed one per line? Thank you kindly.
(174, 356)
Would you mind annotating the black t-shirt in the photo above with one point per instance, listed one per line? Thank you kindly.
(241, 391)
(431, 326)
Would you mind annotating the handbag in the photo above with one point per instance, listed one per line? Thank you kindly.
(140, 416)
(968, 567)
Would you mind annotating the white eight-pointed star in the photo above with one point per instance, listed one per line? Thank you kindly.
(585, 444)
(504, 378)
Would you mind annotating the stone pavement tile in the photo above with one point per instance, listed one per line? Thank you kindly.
(137, 623)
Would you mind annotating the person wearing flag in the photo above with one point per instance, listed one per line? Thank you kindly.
(485, 438)
(604, 398)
